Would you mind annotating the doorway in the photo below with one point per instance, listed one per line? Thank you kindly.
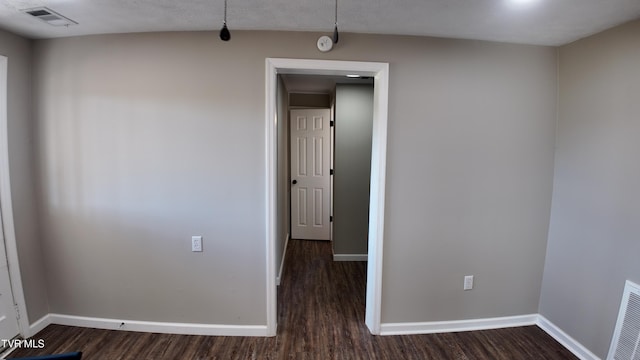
(380, 73)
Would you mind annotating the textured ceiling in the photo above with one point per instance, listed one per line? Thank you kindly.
(542, 22)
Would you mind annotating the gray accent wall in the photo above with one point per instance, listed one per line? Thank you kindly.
(22, 170)
(594, 238)
(147, 139)
(353, 132)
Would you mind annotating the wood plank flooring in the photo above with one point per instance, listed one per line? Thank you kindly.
(320, 316)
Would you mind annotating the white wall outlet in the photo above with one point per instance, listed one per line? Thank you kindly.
(196, 243)
(468, 282)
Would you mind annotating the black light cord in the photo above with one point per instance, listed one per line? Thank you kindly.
(225, 34)
(335, 29)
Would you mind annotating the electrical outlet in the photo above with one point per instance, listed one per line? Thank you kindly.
(468, 282)
(196, 243)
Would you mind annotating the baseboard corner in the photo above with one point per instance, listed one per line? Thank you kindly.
(37, 326)
(565, 340)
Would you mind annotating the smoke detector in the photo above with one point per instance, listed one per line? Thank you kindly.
(49, 16)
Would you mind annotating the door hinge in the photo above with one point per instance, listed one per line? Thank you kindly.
(15, 306)
(330, 218)
(330, 123)
(331, 172)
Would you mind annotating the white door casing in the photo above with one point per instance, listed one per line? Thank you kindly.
(310, 178)
(380, 73)
(9, 326)
(8, 316)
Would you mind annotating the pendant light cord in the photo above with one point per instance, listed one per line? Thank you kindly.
(335, 28)
(225, 35)
(225, 12)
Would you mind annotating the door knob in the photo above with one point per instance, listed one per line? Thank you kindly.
(294, 182)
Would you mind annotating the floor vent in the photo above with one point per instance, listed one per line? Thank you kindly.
(626, 337)
(49, 16)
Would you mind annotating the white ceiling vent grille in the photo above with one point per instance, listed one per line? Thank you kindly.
(626, 337)
(49, 16)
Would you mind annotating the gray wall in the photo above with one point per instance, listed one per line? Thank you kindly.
(21, 167)
(147, 139)
(469, 173)
(284, 190)
(310, 100)
(594, 235)
(353, 131)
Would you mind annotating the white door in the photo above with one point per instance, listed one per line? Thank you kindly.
(310, 177)
(8, 316)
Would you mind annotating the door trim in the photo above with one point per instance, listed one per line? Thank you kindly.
(7, 207)
(380, 73)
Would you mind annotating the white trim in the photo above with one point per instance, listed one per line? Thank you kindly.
(377, 197)
(260, 330)
(565, 340)
(39, 325)
(7, 206)
(271, 183)
(457, 325)
(159, 327)
(380, 72)
(284, 253)
(7, 352)
(350, 257)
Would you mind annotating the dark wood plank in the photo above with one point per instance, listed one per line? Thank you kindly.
(321, 316)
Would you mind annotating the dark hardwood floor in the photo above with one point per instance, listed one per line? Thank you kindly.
(321, 316)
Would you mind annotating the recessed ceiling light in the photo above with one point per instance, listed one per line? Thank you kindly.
(522, 2)
(353, 76)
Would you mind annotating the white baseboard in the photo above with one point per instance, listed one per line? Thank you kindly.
(491, 323)
(261, 330)
(567, 341)
(159, 327)
(350, 257)
(457, 325)
(284, 253)
(37, 326)
(7, 352)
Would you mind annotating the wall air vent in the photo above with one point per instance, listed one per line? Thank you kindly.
(49, 16)
(625, 344)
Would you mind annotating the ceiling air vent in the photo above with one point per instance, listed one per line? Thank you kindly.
(49, 16)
